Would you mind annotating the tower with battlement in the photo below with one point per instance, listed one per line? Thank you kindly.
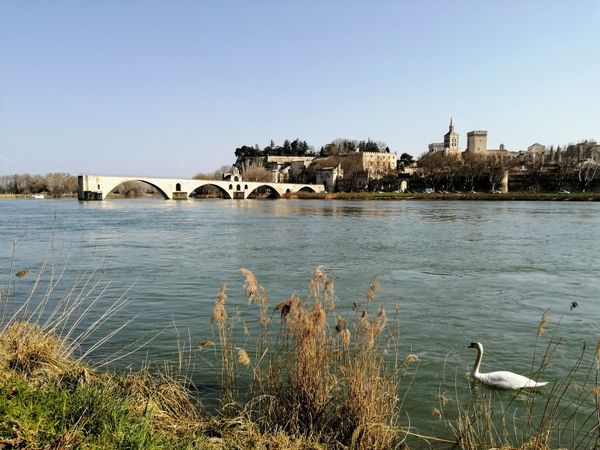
(477, 141)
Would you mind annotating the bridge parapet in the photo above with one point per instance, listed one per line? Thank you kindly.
(97, 187)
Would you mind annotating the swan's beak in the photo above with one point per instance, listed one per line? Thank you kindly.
(473, 345)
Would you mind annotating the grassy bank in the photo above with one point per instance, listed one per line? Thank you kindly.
(50, 400)
(308, 377)
(510, 196)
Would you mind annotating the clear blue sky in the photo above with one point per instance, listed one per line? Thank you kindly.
(171, 88)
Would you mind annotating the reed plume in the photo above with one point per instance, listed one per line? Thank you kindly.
(542, 325)
(243, 357)
(372, 290)
(219, 313)
(250, 286)
(219, 317)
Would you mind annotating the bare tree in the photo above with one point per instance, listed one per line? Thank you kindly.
(216, 175)
(55, 184)
(565, 168)
(254, 173)
(454, 164)
(588, 170)
(440, 168)
(59, 184)
(496, 166)
(473, 166)
(431, 164)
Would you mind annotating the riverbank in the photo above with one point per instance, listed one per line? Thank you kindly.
(49, 399)
(321, 382)
(461, 196)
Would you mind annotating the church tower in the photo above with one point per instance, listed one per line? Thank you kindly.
(451, 139)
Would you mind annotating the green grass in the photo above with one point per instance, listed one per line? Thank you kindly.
(94, 416)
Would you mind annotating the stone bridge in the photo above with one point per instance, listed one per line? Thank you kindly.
(97, 187)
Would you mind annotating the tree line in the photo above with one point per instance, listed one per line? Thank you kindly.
(299, 147)
(296, 147)
(342, 146)
(460, 172)
(53, 184)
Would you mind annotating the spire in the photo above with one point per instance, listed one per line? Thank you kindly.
(451, 127)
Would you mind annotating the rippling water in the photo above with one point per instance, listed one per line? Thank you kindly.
(457, 271)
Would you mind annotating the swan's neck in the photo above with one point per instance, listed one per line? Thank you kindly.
(475, 370)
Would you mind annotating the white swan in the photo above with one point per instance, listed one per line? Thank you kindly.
(501, 379)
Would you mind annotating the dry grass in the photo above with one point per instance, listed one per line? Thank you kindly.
(40, 347)
(320, 374)
(27, 349)
(243, 433)
(39, 359)
(165, 394)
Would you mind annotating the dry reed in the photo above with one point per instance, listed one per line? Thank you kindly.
(41, 341)
(542, 325)
(561, 418)
(243, 357)
(220, 319)
(322, 374)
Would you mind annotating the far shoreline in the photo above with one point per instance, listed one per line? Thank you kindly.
(390, 196)
(485, 196)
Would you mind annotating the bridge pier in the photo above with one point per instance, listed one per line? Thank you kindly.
(179, 195)
(89, 196)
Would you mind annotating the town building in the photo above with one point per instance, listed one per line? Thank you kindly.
(436, 147)
(450, 144)
(351, 171)
(328, 177)
(536, 148)
(476, 143)
(376, 164)
(451, 140)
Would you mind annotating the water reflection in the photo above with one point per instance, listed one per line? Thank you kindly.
(324, 208)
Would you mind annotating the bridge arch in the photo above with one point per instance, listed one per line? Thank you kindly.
(126, 180)
(306, 189)
(275, 192)
(221, 189)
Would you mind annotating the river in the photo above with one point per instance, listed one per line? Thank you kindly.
(455, 271)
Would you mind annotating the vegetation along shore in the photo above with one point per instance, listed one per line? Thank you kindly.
(308, 378)
(487, 196)
(136, 191)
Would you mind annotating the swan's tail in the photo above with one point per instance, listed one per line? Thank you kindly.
(532, 384)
